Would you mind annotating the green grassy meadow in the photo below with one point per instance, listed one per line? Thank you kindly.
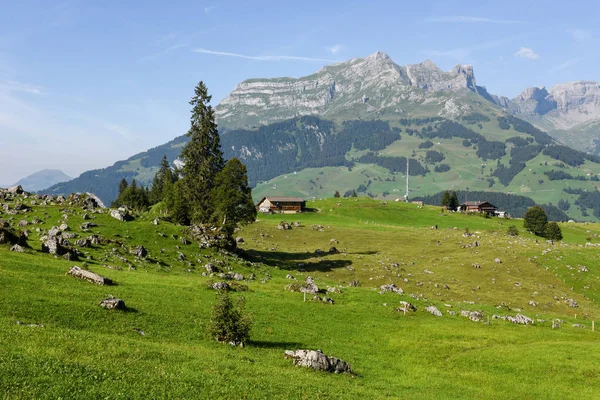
(84, 351)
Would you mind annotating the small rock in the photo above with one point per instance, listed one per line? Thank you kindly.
(433, 310)
(113, 303)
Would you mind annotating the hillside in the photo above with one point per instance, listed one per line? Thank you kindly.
(55, 341)
(42, 179)
(351, 126)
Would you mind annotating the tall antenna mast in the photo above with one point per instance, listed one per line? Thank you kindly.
(406, 195)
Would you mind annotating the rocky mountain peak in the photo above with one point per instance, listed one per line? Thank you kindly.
(366, 84)
(532, 93)
(379, 55)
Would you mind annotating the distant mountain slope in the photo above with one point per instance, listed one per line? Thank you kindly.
(43, 179)
(353, 125)
(570, 112)
(104, 182)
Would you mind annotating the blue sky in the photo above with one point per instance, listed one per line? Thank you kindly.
(84, 84)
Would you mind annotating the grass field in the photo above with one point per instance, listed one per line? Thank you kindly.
(84, 351)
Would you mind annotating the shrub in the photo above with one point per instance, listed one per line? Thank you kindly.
(552, 231)
(228, 323)
(535, 220)
(512, 231)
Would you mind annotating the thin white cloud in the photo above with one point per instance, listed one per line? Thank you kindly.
(335, 49)
(566, 65)
(163, 51)
(467, 19)
(464, 53)
(526, 52)
(13, 86)
(261, 58)
(579, 35)
(209, 9)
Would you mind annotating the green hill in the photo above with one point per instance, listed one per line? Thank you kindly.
(159, 347)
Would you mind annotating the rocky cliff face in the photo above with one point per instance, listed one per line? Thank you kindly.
(563, 106)
(354, 88)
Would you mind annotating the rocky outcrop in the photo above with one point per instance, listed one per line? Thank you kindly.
(563, 106)
(316, 360)
(371, 83)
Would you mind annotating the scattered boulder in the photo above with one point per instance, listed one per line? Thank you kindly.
(239, 239)
(284, 226)
(121, 215)
(89, 276)
(433, 310)
(572, 303)
(354, 283)
(113, 303)
(333, 250)
(140, 251)
(310, 287)
(211, 268)
(318, 361)
(53, 246)
(498, 261)
(17, 248)
(15, 190)
(475, 316)
(82, 243)
(520, 319)
(406, 307)
(532, 303)
(390, 288)
(87, 225)
(221, 286)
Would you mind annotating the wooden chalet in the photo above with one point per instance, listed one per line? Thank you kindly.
(478, 207)
(281, 204)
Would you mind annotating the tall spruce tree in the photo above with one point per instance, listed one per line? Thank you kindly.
(232, 197)
(446, 199)
(454, 203)
(163, 175)
(123, 185)
(202, 156)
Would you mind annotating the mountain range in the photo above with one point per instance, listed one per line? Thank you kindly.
(353, 125)
(42, 179)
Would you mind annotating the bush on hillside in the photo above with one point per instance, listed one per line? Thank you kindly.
(536, 220)
(552, 231)
(512, 231)
(229, 323)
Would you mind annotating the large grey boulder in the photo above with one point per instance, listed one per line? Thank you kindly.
(140, 251)
(390, 288)
(89, 276)
(520, 319)
(53, 246)
(310, 286)
(16, 190)
(433, 310)
(113, 303)
(121, 215)
(316, 360)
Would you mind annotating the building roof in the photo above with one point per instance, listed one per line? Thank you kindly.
(476, 203)
(283, 199)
